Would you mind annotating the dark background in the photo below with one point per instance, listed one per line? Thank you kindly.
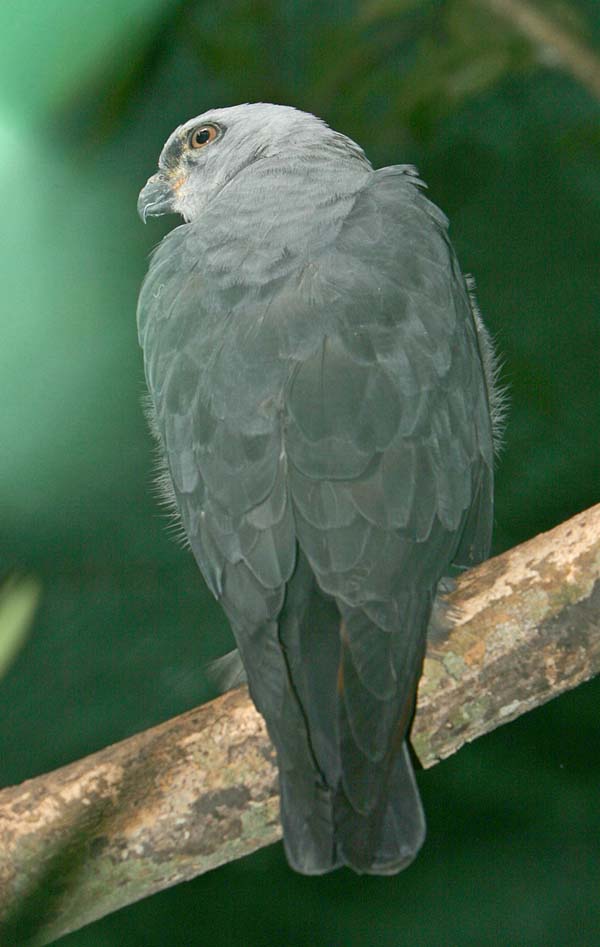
(509, 144)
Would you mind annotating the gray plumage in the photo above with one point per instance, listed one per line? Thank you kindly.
(321, 389)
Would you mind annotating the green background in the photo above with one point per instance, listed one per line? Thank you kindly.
(509, 147)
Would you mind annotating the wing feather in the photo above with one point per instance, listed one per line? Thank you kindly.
(389, 417)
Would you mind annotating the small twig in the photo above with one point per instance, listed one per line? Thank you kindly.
(558, 46)
(200, 790)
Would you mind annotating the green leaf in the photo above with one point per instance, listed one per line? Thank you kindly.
(19, 598)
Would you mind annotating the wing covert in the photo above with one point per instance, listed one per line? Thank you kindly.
(389, 441)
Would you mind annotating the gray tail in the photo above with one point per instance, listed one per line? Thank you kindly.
(323, 831)
(344, 801)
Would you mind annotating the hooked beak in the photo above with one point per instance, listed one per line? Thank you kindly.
(156, 197)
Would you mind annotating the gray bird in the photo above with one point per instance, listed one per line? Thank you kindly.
(321, 385)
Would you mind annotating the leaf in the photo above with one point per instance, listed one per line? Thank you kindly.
(19, 598)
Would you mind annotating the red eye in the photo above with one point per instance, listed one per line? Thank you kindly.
(202, 136)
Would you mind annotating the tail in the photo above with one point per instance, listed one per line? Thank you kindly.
(386, 841)
(325, 832)
(348, 791)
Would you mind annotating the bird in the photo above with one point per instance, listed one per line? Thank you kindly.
(323, 392)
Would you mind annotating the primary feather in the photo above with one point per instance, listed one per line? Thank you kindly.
(321, 389)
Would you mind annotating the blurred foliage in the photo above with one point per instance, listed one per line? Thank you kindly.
(509, 146)
(51, 49)
(18, 602)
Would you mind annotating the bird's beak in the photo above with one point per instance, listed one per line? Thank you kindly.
(157, 196)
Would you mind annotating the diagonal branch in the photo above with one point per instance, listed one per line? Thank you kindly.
(558, 46)
(200, 790)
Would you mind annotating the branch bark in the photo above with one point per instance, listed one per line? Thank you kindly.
(201, 789)
(558, 46)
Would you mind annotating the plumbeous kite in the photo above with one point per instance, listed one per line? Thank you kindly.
(321, 386)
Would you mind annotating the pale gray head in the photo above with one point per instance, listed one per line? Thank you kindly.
(205, 154)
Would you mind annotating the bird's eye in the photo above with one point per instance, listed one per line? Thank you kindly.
(202, 136)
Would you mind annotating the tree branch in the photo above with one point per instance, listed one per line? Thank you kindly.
(557, 46)
(200, 790)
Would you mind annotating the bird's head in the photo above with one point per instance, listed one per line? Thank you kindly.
(205, 154)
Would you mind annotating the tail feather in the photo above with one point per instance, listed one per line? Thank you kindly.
(323, 831)
(388, 839)
(344, 801)
(309, 834)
